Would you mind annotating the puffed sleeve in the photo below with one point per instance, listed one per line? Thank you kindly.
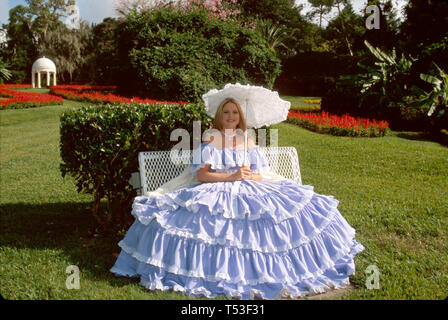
(201, 156)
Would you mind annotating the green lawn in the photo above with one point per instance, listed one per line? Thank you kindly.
(392, 190)
(299, 102)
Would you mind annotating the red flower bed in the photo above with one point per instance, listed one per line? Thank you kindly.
(344, 125)
(72, 87)
(99, 94)
(15, 86)
(15, 99)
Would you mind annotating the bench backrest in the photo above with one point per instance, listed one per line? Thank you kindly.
(159, 167)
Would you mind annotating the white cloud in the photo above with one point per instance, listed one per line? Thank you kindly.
(4, 12)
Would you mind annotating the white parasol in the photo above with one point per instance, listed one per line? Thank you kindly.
(261, 106)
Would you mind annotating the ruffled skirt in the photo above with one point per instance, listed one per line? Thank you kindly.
(242, 239)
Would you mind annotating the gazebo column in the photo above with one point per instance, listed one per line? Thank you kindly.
(33, 79)
(54, 78)
(48, 78)
(38, 79)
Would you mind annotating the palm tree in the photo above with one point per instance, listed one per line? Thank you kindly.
(274, 34)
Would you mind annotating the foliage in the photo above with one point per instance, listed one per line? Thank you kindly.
(5, 74)
(344, 125)
(345, 29)
(43, 16)
(215, 8)
(314, 73)
(21, 47)
(320, 8)
(106, 58)
(387, 85)
(437, 99)
(275, 35)
(70, 49)
(285, 13)
(179, 55)
(426, 23)
(99, 148)
(435, 102)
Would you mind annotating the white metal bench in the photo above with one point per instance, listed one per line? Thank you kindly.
(159, 167)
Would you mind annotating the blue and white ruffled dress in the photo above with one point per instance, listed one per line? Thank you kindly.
(241, 239)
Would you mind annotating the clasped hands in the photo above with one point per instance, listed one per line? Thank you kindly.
(243, 173)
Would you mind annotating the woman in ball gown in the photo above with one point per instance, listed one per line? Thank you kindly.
(234, 233)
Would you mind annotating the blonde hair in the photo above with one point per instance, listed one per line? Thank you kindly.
(217, 121)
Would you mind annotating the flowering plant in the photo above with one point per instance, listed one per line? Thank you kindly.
(100, 95)
(14, 99)
(344, 125)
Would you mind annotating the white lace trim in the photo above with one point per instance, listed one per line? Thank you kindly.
(284, 293)
(219, 276)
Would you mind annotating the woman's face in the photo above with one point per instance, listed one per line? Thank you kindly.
(230, 116)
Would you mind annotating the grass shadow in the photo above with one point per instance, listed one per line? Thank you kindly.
(421, 136)
(66, 226)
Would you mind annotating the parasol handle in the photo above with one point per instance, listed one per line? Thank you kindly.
(245, 134)
(245, 147)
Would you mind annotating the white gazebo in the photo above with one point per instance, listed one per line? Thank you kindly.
(43, 65)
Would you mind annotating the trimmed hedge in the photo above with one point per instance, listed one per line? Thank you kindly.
(99, 147)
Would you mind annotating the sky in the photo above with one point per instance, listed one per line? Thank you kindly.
(94, 11)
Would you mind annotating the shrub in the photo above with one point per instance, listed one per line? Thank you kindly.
(99, 147)
(179, 55)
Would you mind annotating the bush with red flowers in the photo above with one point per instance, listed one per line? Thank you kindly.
(15, 99)
(100, 95)
(344, 125)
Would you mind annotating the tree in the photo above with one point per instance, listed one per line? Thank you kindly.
(44, 15)
(274, 34)
(285, 13)
(424, 30)
(222, 9)
(20, 51)
(124, 7)
(426, 22)
(320, 8)
(105, 52)
(68, 48)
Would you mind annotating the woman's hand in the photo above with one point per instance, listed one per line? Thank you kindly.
(243, 173)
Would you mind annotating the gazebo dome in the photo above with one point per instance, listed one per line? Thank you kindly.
(43, 64)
